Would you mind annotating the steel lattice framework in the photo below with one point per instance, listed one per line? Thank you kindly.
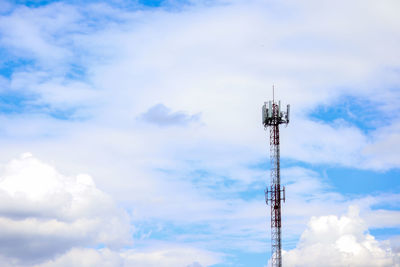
(272, 117)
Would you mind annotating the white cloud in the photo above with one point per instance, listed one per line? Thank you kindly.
(47, 215)
(31, 35)
(86, 258)
(340, 241)
(204, 59)
(161, 257)
(171, 257)
(44, 213)
(384, 151)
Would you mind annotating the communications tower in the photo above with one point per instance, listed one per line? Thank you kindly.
(272, 117)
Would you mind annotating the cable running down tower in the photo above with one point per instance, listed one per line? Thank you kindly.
(272, 117)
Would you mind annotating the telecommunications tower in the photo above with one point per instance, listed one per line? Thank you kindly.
(272, 117)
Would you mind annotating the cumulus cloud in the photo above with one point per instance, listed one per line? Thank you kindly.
(44, 213)
(164, 116)
(51, 219)
(340, 241)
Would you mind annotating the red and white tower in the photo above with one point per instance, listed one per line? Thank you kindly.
(272, 117)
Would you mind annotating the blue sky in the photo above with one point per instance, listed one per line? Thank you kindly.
(133, 128)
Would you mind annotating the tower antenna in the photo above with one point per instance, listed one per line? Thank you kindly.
(273, 93)
(272, 117)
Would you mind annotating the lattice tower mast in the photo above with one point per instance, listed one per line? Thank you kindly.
(272, 117)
